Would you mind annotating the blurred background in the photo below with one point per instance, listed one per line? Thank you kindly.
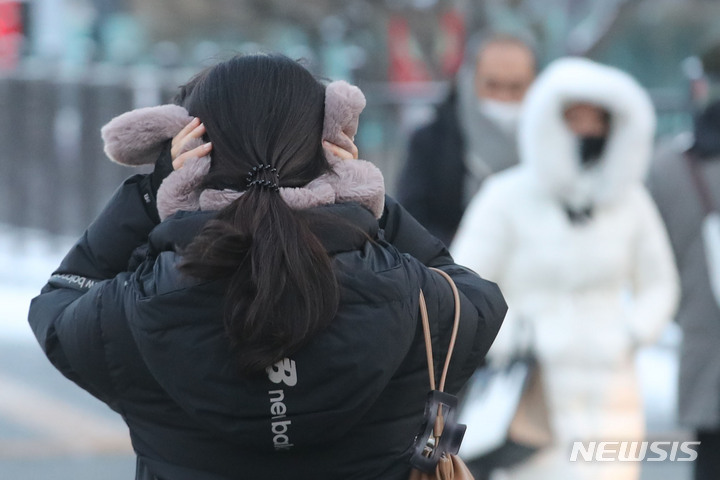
(69, 66)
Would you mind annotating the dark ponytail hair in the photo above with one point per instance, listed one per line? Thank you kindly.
(263, 110)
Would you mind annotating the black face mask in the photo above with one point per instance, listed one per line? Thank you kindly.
(591, 148)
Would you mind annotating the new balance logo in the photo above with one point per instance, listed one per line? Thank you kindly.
(66, 280)
(283, 372)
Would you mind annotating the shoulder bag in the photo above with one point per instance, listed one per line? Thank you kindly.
(435, 449)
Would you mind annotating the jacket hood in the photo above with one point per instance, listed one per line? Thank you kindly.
(551, 150)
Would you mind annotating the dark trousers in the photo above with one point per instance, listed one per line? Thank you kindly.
(707, 465)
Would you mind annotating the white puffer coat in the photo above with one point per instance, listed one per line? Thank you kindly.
(591, 292)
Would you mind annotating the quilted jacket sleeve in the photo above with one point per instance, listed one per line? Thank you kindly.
(482, 304)
(406, 234)
(67, 316)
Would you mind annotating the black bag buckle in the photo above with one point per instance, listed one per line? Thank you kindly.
(430, 446)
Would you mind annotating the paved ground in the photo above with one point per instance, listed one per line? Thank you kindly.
(49, 429)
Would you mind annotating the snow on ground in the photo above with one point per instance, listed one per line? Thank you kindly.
(27, 258)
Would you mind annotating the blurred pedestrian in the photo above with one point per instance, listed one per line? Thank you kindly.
(265, 328)
(574, 240)
(473, 134)
(685, 183)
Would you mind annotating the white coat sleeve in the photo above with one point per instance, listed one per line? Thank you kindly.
(655, 279)
(483, 244)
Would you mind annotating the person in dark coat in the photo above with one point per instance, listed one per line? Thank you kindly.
(256, 315)
(472, 136)
(680, 202)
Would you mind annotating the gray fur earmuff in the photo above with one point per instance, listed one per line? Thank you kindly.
(137, 137)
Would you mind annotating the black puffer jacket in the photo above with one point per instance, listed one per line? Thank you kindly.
(432, 183)
(151, 344)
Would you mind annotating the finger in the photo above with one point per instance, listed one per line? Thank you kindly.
(186, 129)
(353, 149)
(338, 151)
(181, 146)
(196, 152)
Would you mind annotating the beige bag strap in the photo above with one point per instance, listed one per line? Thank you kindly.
(428, 339)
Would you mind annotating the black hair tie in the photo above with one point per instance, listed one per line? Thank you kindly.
(252, 179)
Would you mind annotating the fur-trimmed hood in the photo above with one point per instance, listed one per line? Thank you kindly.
(137, 138)
(550, 149)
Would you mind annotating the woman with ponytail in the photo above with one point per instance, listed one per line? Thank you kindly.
(250, 307)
